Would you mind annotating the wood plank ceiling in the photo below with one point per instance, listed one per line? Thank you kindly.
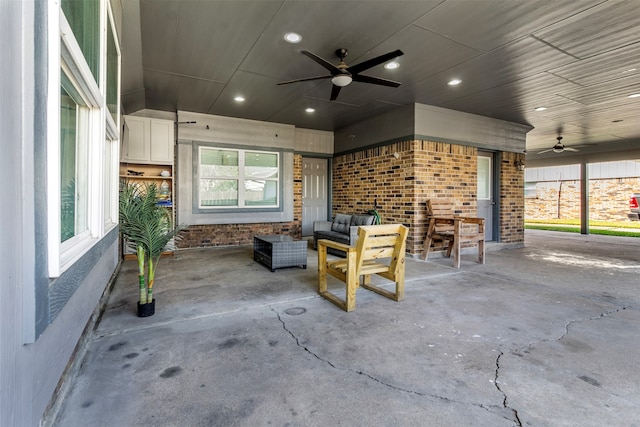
(578, 58)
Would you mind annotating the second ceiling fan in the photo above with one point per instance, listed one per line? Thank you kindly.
(342, 75)
(559, 147)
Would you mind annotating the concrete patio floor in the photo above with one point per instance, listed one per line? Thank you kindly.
(545, 335)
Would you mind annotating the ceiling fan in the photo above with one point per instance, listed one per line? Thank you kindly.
(559, 147)
(342, 75)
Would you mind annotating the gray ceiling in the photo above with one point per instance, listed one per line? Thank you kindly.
(578, 58)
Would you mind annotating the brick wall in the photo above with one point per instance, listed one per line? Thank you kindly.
(242, 234)
(400, 186)
(511, 199)
(608, 199)
(423, 170)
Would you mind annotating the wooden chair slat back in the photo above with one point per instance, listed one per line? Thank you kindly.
(440, 207)
(376, 243)
(381, 241)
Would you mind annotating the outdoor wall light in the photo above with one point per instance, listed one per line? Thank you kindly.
(519, 164)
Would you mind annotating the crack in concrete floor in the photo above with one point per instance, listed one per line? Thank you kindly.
(524, 349)
(489, 408)
(505, 402)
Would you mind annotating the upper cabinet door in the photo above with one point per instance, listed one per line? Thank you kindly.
(161, 141)
(148, 141)
(137, 143)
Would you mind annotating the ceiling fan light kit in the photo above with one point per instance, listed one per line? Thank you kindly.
(341, 80)
(342, 75)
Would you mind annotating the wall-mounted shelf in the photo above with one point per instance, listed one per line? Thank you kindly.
(150, 173)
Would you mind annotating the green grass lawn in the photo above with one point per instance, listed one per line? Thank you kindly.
(609, 228)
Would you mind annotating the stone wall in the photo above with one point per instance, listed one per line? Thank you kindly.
(198, 236)
(608, 199)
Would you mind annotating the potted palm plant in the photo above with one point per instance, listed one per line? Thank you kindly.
(150, 229)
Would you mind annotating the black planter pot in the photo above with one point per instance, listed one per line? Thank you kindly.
(148, 309)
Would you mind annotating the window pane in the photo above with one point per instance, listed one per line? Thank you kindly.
(218, 192)
(84, 19)
(68, 110)
(260, 193)
(218, 163)
(484, 177)
(112, 74)
(73, 165)
(109, 182)
(261, 165)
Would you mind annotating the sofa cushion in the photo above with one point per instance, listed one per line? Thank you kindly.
(362, 219)
(332, 235)
(341, 223)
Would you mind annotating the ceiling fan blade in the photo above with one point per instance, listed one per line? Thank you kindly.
(375, 61)
(326, 64)
(545, 151)
(374, 80)
(304, 80)
(335, 91)
(570, 149)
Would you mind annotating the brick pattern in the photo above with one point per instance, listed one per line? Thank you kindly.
(511, 199)
(608, 199)
(197, 236)
(398, 187)
(423, 170)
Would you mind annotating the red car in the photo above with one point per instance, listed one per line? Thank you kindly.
(634, 203)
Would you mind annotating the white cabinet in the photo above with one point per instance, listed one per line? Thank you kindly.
(148, 141)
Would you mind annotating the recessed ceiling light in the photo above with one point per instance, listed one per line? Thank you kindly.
(391, 65)
(239, 98)
(630, 70)
(454, 82)
(539, 108)
(310, 110)
(293, 37)
(634, 95)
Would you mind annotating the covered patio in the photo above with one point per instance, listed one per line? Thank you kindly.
(540, 335)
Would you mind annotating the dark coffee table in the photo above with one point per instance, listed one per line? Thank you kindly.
(280, 251)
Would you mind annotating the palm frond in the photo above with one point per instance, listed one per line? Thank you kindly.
(143, 222)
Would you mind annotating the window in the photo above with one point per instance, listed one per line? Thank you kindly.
(73, 162)
(112, 88)
(530, 190)
(84, 20)
(230, 178)
(110, 188)
(83, 136)
(484, 178)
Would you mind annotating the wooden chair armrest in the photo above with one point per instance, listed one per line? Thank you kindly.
(443, 220)
(472, 220)
(336, 245)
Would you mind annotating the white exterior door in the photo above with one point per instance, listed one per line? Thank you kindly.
(485, 193)
(314, 193)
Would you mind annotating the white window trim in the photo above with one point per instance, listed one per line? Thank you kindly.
(64, 52)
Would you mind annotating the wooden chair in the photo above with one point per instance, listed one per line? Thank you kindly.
(380, 250)
(453, 230)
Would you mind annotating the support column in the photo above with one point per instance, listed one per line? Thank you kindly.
(584, 197)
